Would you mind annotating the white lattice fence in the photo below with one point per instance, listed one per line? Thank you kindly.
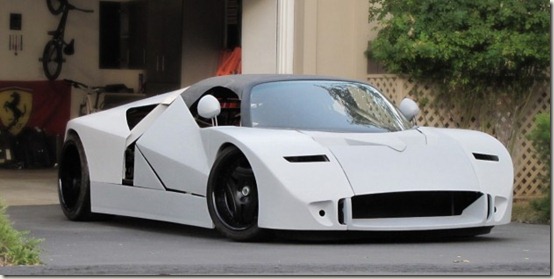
(501, 124)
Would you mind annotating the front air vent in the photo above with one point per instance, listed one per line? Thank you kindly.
(341, 212)
(307, 159)
(412, 204)
(485, 157)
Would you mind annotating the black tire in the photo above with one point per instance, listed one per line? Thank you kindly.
(52, 60)
(56, 6)
(233, 197)
(74, 180)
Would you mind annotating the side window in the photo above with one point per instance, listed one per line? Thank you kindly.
(230, 108)
(136, 114)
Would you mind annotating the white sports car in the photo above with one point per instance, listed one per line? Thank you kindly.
(248, 154)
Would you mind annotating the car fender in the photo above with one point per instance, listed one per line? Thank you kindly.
(292, 195)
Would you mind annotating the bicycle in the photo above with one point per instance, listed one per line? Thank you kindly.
(52, 56)
(87, 106)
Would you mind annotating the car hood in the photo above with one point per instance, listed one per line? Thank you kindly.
(411, 160)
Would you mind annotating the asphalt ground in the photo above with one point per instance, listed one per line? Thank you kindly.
(130, 246)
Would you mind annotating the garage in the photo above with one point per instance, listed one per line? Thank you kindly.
(140, 48)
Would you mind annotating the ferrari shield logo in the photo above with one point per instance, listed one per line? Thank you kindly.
(15, 108)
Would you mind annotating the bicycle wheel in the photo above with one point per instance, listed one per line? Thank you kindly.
(52, 59)
(56, 6)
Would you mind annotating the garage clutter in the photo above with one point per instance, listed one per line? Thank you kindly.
(30, 149)
(33, 116)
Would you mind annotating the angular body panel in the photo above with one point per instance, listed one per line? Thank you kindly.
(176, 153)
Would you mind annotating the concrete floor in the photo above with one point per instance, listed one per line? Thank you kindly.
(28, 186)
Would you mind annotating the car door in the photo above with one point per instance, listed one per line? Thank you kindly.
(173, 152)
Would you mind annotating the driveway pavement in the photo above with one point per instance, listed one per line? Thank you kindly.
(28, 187)
(128, 246)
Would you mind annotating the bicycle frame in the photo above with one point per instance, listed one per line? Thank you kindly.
(59, 33)
(87, 103)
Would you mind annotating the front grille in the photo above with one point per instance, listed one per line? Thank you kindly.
(412, 204)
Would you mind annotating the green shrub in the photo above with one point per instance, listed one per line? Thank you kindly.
(540, 137)
(542, 207)
(524, 212)
(16, 247)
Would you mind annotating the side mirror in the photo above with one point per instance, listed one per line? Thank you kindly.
(409, 108)
(209, 107)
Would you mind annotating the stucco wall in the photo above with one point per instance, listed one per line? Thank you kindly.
(331, 37)
(259, 36)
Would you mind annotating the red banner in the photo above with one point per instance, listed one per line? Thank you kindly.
(42, 104)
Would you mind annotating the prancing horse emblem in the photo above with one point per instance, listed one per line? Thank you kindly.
(15, 108)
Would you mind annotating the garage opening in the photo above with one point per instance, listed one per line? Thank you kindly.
(175, 42)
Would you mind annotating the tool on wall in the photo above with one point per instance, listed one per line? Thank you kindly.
(15, 43)
(16, 40)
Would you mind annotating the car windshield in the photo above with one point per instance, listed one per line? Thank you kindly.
(321, 105)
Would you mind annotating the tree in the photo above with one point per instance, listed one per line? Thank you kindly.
(488, 58)
(465, 45)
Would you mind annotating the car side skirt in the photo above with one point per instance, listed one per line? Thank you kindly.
(176, 207)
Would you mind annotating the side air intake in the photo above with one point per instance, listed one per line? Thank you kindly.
(485, 157)
(307, 159)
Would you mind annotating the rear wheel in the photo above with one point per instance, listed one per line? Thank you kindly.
(73, 180)
(52, 59)
(233, 197)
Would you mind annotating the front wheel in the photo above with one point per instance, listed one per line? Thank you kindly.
(232, 196)
(52, 59)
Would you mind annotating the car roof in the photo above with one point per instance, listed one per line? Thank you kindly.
(241, 84)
